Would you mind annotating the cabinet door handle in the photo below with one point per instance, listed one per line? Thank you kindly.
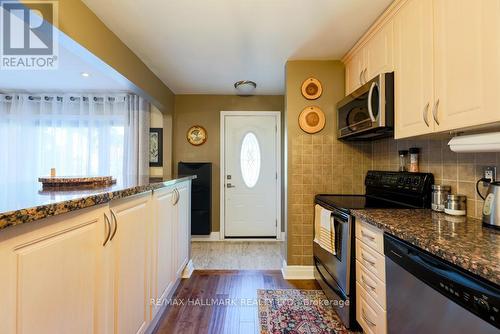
(106, 220)
(367, 260)
(116, 225)
(364, 74)
(361, 77)
(426, 114)
(366, 283)
(176, 192)
(367, 236)
(435, 111)
(368, 321)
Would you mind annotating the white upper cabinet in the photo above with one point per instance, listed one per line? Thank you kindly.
(375, 57)
(446, 60)
(413, 69)
(354, 72)
(467, 63)
(378, 52)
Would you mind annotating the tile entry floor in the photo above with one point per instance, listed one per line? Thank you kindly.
(236, 255)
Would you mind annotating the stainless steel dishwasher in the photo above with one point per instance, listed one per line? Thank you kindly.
(428, 295)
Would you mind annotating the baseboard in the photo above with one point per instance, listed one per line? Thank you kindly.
(214, 236)
(188, 270)
(297, 272)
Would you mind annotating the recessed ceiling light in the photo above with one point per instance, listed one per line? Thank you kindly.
(245, 87)
(85, 74)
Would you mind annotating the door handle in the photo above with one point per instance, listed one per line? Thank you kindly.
(426, 114)
(364, 74)
(361, 77)
(229, 185)
(434, 112)
(106, 220)
(113, 217)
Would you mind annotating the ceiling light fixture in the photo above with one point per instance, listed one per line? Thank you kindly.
(245, 87)
(85, 74)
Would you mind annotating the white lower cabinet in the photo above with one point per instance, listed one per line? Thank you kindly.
(130, 263)
(95, 270)
(53, 275)
(370, 279)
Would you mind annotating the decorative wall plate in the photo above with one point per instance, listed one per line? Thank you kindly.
(312, 119)
(311, 88)
(196, 135)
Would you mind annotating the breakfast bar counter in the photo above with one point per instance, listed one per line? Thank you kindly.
(29, 202)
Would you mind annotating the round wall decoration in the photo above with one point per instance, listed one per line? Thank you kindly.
(312, 119)
(196, 135)
(311, 88)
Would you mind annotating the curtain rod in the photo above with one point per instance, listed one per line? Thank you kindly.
(60, 98)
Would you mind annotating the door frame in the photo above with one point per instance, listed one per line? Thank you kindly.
(222, 214)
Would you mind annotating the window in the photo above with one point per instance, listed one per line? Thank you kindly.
(79, 135)
(250, 160)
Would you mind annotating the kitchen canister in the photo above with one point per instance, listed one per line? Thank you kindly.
(439, 196)
(456, 205)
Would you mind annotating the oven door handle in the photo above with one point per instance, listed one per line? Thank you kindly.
(370, 96)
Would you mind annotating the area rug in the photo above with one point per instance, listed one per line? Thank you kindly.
(293, 311)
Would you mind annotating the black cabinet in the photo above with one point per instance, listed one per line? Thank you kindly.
(201, 195)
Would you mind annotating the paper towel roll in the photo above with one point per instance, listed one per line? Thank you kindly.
(484, 142)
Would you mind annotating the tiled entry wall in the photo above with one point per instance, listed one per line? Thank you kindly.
(460, 171)
(320, 164)
(317, 163)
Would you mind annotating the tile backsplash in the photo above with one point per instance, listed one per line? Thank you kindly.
(322, 164)
(459, 170)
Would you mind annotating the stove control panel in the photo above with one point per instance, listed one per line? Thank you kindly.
(399, 181)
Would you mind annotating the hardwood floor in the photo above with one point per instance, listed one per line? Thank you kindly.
(222, 301)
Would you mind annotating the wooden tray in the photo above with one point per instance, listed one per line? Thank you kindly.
(72, 181)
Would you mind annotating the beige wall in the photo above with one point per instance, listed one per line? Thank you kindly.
(316, 163)
(205, 110)
(78, 22)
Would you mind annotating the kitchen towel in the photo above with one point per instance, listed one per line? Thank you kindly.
(324, 231)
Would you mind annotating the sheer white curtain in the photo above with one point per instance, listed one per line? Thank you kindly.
(76, 134)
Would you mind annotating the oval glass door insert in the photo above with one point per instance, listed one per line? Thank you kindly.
(250, 159)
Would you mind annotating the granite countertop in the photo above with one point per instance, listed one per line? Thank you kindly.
(459, 240)
(28, 202)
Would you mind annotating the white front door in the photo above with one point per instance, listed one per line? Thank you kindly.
(250, 175)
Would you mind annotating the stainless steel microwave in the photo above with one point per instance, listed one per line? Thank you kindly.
(368, 112)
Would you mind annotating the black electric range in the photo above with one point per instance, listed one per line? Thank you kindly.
(335, 273)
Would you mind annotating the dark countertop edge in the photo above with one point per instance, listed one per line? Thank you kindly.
(28, 215)
(447, 256)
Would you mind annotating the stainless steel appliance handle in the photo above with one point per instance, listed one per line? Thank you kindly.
(113, 217)
(426, 114)
(370, 95)
(434, 112)
(106, 220)
(368, 321)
